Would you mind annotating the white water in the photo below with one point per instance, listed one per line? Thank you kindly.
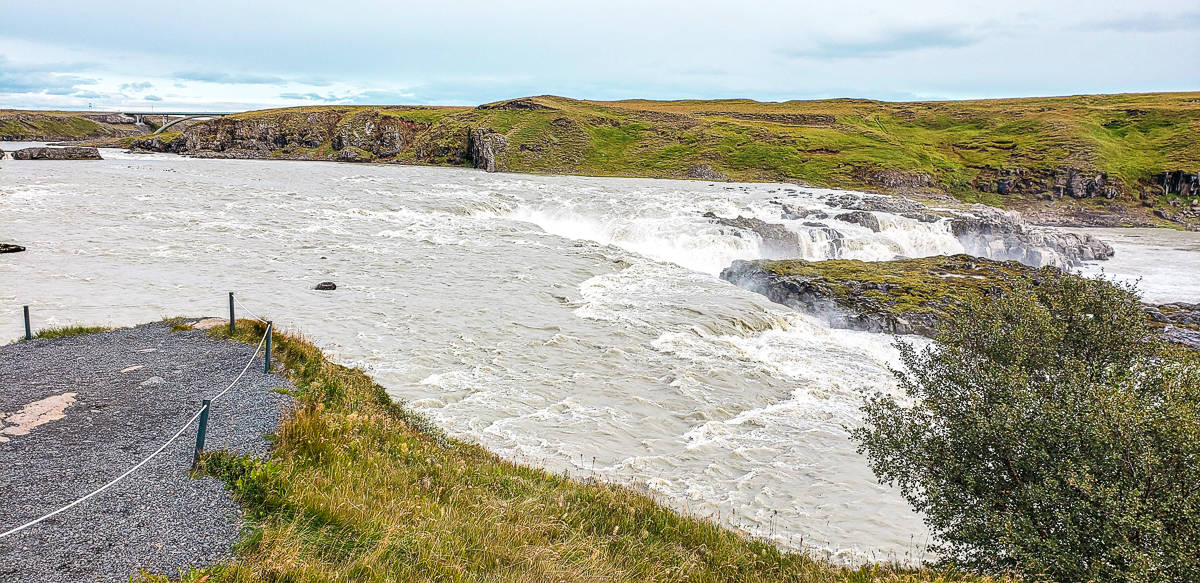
(574, 323)
(1165, 264)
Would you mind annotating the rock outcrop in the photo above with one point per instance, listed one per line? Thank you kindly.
(10, 248)
(1179, 322)
(485, 148)
(913, 296)
(983, 230)
(67, 153)
(776, 241)
(704, 172)
(997, 234)
(905, 296)
(351, 136)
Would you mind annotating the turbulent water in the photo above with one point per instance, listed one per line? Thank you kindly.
(574, 323)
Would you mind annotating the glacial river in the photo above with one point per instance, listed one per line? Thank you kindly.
(573, 323)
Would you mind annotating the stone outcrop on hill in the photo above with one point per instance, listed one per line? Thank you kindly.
(485, 148)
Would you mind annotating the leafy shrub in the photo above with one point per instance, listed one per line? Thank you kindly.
(1051, 433)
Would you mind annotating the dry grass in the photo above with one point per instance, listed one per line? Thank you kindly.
(359, 489)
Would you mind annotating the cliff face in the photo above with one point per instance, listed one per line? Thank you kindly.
(1117, 159)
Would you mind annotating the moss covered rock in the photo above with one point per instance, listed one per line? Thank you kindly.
(905, 296)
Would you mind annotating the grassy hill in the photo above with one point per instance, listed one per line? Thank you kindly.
(1103, 150)
(36, 126)
(1089, 155)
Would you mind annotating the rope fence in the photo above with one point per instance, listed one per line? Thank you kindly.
(201, 414)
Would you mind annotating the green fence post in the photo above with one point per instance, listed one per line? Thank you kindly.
(267, 359)
(200, 433)
(28, 332)
(230, 313)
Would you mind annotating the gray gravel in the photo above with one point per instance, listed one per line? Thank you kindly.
(157, 519)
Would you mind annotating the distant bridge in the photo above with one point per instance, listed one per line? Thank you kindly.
(180, 115)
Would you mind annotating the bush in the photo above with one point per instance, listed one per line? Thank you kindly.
(1051, 433)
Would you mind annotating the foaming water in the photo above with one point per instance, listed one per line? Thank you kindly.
(666, 222)
(1164, 264)
(573, 323)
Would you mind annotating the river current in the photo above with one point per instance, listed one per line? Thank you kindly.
(573, 323)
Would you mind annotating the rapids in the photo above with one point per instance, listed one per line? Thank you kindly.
(572, 323)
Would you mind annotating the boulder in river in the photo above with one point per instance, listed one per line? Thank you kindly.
(863, 218)
(326, 286)
(67, 153)
(10, 248)
(777, 240)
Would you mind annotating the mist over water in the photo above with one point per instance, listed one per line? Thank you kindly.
(572, 323)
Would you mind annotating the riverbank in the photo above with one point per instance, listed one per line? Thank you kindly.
(82, 405)
(358, 486)
(1094, 160)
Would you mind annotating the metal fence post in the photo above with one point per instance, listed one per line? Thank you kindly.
(200, 433)
(28, 332)
(231, 312)
(267, 360)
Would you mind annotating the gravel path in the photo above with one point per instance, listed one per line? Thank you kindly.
(156, 519)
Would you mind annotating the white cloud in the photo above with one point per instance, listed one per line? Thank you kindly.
(476, 51)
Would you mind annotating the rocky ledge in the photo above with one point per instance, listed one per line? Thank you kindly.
(68, 153)
(911, 296)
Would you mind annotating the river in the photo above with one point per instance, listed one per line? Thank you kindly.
(573, 323)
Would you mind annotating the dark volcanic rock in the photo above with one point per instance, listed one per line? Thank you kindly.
(997, 234)
(522, 103)
(704, 172)
(68, 153)
(777, 240)
(485, 148)
(862, 218)
(1179, 322)
(326, 286)
(905, 296)
(913, 296)
(10, 248)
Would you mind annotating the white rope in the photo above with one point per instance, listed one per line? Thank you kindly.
(243, 306)
(244, 368)
(149, 457)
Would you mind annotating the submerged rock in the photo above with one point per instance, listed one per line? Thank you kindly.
(67, 153)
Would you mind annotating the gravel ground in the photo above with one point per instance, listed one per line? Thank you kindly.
(156, 519)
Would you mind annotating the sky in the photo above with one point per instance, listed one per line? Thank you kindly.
(222, 55)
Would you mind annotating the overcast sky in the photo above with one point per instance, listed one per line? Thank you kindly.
(235, 55)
